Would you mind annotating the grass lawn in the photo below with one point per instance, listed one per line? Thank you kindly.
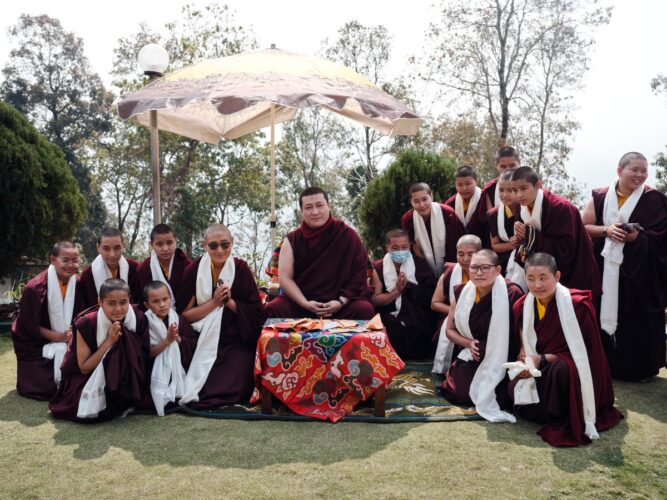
(189, 457)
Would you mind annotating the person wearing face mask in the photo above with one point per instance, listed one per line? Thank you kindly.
(403, 285)
(627, 222)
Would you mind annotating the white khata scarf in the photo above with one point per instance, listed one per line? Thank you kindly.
(158, 275)
(496, 195)
(208, 327)
(530, 219)
(525, 391)
(613, 255)
(490, 371)
(502, 234)
(168, 376)
(472, 206)
(443, 353)
(60, 316)
(101, 271)
(93, 400)
(391, 277)
(435, 256)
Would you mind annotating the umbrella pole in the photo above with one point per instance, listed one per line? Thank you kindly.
(272, 220)
(155, 166)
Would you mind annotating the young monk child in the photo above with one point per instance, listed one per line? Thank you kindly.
(466, 203)
(571, 391)
(110, 263)
(454, 275)
(480, 322)
(507, 158)
(103, 373)
(500, 222)
(173, 342)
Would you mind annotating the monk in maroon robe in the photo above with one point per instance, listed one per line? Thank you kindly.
(637, 320)
(560, 404)
(32, 328)
(503, 243)
(322, 267)
(484, 269)
(230, 377)
(469, 205)
(402, 296)
(421, 199)
(121, 354)
(556, 229)
(110, 263)
(172, 261)
(507, 159)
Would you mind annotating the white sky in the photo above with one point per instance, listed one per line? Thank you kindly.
(617, 110)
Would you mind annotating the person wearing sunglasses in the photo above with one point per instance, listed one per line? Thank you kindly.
(219, 296)
(43, 327)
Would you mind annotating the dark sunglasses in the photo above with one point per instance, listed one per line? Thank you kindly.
(213, 245)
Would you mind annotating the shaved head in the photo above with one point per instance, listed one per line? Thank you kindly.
(216, 228)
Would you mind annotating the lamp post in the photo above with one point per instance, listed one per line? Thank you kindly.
(153, 61)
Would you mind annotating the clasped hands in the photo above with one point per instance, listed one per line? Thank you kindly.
(323, 309)
(617, 232)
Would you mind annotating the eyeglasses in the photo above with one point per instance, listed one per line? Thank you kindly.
(67, 262)
(213, 245)
(483, 269)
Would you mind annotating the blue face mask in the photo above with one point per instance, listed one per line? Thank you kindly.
(400, 256)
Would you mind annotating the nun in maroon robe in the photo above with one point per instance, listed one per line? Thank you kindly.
(144, 274)
(34, 373)
(456, 385)
(559, 388)
(639, 352)
(89, 291)
(411, 331)
(124, 370)
(453, 228)
(446, 280)
(477, 223)
(230, 379)
(492, 226)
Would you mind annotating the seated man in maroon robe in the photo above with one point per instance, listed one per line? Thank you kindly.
(110, 263)
(104, 370)
(480, 323)
(466, 203)
(220, 298)
(433, 228)
(565, 383)
(552, 224)
(500, 222)
(166, 262)
(507, 158)
(403, 286)
(173, 343)
(50, 301)
(322, 267)
(628, 224)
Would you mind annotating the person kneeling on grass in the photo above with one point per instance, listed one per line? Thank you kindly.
(566, 382)
(103, 373)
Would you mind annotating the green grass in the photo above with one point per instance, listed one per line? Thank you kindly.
(191, 457)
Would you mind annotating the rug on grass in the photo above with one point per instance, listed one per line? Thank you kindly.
(412, 397)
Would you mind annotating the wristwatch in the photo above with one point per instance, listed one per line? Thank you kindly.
(543, 361)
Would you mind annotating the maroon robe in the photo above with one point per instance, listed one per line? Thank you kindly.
(489, 192)
(559, 388)
(34, 373)
(410, 333)
(477, 223)
(447, 273)
(145, 276)
(564, 236)
(89, 292)
(640, 334)
(453, 230)
(492, 225)
(124, 370)
(231, 377)
(333, 264)
(456, 386)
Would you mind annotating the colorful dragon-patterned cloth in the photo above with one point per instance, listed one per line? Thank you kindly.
(322, 369)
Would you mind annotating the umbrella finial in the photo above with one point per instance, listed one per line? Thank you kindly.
(273, 45)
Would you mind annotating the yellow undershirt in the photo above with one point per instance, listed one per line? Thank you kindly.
(466, 204)
(114, 274)
(165, 271)
(63, 288)
(213, 276)
(477, 297)
(465, 278)
(622, 198)
(508, 212)
(541, 309)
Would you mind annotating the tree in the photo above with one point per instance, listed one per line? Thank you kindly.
(41, 202)
(660, 162)
(386, 198)
(49, 80)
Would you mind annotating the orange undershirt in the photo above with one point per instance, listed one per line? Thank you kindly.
(465, 278)
(621, 198)
(114, 274)
(63, 288)
(466, 204)
(477, 297)
(165, 271)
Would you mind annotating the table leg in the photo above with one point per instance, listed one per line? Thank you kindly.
(379, 401)
(267, 401)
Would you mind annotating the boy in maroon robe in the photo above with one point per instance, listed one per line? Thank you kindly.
(555, 228)
(32, 329)
(171, 260)
(403, 286)
(634, 291)
(111, 341)
(507, 158)
(110, 263)
(322, 267)
(564, 357)
(503, 241)
(468, 204)
(220, 298)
